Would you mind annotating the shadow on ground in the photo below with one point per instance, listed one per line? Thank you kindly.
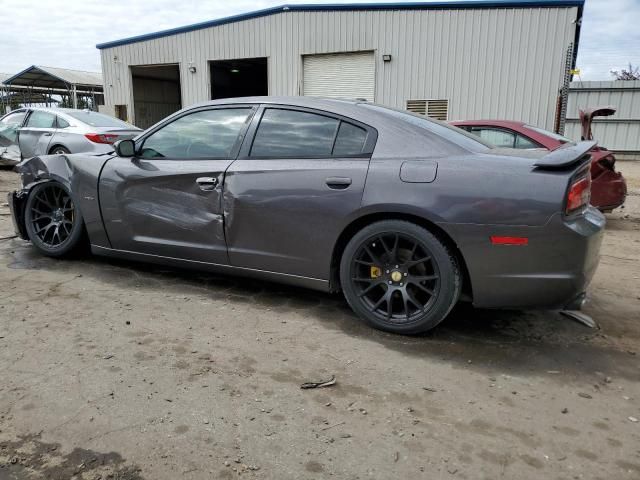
(488, 340)
(29, 457)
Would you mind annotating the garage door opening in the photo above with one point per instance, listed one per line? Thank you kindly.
(156, 93)
(238, 78)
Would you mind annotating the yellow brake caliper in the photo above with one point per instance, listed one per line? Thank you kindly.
(375, 271)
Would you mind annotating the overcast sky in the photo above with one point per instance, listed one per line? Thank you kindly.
(63, 33)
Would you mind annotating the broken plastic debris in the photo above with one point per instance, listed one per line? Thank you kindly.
(580, 318)
(326, 383)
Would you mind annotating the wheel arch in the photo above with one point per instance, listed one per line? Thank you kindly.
(367, 219)
(51, 149)
(23, 194)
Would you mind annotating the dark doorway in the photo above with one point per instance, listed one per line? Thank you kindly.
(156, 93)
(238, 78)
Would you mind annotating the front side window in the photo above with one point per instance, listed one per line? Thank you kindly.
(14, 118)
(290, 133)
(499, 138)
(204, 134)
(39, 119)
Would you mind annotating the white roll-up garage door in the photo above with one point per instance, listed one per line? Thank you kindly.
(340, 75)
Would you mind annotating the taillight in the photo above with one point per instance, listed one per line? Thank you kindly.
(579, 194)
(101, 137)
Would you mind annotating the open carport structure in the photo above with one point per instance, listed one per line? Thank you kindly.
(38, 85)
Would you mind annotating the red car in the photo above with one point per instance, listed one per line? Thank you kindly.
(608, 190)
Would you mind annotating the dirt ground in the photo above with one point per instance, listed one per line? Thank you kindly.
(112, 370)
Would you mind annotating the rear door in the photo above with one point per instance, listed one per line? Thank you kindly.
(289, 194)
(166, 200)
(36, 135)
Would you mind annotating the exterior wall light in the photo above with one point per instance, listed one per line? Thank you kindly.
(386, 58)
(192, 69)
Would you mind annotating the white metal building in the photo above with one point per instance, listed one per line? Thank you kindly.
(503, 59)
(619, 132)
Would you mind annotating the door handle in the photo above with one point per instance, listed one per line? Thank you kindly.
(338, 183)
(207, 183)
(47, 134)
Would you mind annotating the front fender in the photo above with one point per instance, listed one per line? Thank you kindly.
(79, 174)
(17, 202)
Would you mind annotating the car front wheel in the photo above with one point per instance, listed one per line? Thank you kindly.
(399, 277)
(53, 223)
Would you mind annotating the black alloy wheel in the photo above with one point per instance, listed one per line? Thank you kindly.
(400, 277)
(53, 223)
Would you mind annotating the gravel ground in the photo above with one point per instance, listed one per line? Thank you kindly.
(112, 370)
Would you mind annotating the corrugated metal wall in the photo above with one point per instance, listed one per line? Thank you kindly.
(488, 63)
(619, 132)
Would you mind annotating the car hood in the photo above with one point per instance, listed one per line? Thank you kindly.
(588, 114)
(62, 168)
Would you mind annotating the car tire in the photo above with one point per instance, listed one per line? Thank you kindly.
(59, 150)
(53, 223)
(399, 277)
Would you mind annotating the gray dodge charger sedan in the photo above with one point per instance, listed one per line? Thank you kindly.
(405, 215)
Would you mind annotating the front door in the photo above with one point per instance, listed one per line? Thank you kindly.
(35, 136)
(292, 189)
(9, 128)
(166, 200)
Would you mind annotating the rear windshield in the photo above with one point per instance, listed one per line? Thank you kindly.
(553, 135)
(448, 132)
(96, 119)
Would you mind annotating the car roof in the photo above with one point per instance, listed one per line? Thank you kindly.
(336, 105)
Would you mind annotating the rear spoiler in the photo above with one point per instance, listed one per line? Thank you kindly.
(565, 156)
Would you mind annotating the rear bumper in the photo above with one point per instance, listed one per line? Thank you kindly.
(552, 271)
(16, 200)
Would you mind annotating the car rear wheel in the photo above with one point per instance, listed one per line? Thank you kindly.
(59, 150)
(53, 223)
(399, 277)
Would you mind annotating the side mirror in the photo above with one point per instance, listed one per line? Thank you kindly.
(125, 148)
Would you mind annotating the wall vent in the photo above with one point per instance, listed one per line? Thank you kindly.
(437, 109)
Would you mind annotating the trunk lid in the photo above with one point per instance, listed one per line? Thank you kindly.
(586, 119)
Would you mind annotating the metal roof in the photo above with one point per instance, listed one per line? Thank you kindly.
(52, 77)
(438, 5)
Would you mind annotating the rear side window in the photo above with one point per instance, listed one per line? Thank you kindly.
(297, 134)
(525, 143)
(39, 119)
(62, 123)
(350, 140)
(289, 133)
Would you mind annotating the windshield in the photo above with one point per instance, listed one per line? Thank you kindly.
(96, 119)
(555, 136)
(448, 132)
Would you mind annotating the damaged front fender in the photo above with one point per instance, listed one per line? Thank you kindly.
(79, 173)
(17, 200)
